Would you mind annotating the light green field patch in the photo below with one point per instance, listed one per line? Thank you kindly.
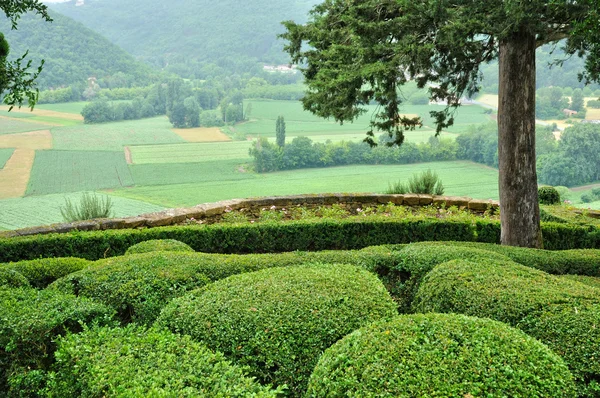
(5, 154)
(190, 152)
(460, 178)
(21, 125)
(114, 136)
(301, 122)
(183, 173)
(43, 210)
(68, 107)
(73, 171)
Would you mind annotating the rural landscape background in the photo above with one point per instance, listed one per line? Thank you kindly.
(162, 105)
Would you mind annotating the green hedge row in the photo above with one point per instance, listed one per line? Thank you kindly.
(280, 237)
(279, 321)
(562, 313)
(135, 362)
(439, 355)
(42, 272)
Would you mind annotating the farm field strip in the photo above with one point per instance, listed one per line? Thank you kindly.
(73, 171)
(15, 174)
(41, 139)
(10, 125)
(189, 153)
(67, 107)
(5, 154)
(114, 136)
(42, 210)
(183, 173)
(44, 113)
(202, 134)
(460, 178)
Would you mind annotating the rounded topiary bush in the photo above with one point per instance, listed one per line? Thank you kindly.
(278, 321)
(561, 313)
(136, 286)
(12, 278)
(135, 362)
(30, 321)
(154, 245)
(439, 355)
(42, 272)
(548, 196)
(417, 259)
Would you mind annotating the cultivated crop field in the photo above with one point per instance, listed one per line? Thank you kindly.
(113, 136)
(460, 178)
(190, 153)
(5, 154)
(72, 171)
(42, 210)
(10, 125)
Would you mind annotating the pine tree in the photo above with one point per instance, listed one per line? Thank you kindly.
(280, 131)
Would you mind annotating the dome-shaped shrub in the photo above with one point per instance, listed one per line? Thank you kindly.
(154, 245)
(30, 321)
(135, 362)
(137, 286)
(278, 321)
(42, 272)
(12, 278)
(561, 313)
(548, 196)
(439, 355)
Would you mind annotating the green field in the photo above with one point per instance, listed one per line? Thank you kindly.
(301, 122)
(69, 107)
(460, 178)
(42, 210)
(183, 173)
(190, 152)
(73, 171)
(5, 154)
(114, 136)
(11, 126)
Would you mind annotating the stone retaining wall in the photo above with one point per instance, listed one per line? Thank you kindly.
(212, 212)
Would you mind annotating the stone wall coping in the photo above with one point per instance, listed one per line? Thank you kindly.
(216, 209)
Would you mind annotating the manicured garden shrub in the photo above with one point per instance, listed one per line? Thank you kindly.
(136, 286)
(30, 321)
(548, 196)
(575, 261)
(414, 261)
(278, 321)
(439, 355)
(592, 281)
(153, 245)
(135, 362)
(42, 272)
(12, 278)
(529, 299)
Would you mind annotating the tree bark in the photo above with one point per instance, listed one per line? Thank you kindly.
(519, 208)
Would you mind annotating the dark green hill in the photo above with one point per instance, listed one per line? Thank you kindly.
(72, 52)
(181, 35)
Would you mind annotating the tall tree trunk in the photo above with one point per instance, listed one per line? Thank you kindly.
(519, 208)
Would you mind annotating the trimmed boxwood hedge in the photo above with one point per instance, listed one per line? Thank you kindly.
(592, 281)
(575, 261)
(135, 362)
(559, 312)
(137, 286)
(323, 234)
(12, 278)
(278, 321)
(439, 355)
(154, 245)
(30, 322)
(42, 272)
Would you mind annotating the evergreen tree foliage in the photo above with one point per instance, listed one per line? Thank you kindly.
(280, 131)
